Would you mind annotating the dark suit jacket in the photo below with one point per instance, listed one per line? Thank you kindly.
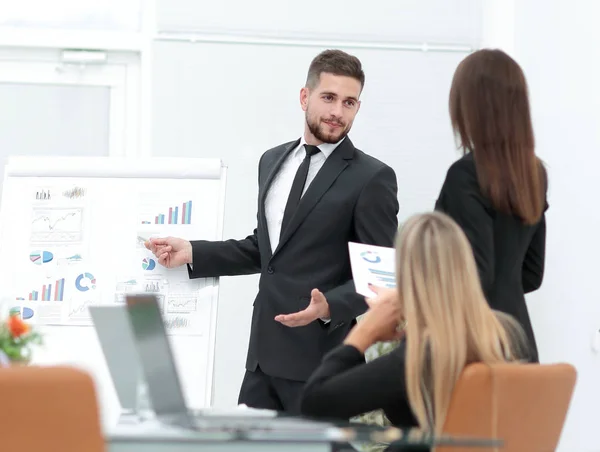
(352, 198)
(345, 386)
(509, 254)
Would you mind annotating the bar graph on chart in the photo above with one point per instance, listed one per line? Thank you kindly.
(49, 292)
(181, 214)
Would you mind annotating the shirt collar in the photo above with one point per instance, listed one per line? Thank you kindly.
(326, 148)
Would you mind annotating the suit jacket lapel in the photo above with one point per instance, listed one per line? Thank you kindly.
(265, 189)
(332, 168)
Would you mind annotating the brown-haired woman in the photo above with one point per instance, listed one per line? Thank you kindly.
(497, 191)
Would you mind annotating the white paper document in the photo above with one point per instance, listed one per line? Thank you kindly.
(374, 265)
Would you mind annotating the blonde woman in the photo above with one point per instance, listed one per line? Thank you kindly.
(448, 322)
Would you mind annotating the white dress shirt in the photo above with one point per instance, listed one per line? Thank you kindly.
(281, 185)
(280, 188)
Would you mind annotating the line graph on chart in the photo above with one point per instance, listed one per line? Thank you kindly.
(52, 222)
(78, 310)
(181, 304)
(57, 225)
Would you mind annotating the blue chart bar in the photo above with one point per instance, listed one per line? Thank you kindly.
(60, 290)
(174, 215)
(186, 214)
(47, 290)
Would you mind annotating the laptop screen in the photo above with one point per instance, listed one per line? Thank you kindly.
(118, 346)
(156, 358)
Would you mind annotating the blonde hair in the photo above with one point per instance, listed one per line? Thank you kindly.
(448, 321)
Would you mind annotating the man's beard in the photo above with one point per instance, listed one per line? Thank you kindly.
(317, 131)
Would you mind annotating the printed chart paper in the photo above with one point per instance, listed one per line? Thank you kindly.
(372, 264)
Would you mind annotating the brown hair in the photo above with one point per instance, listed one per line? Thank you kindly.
(489, 110)
(334, 62)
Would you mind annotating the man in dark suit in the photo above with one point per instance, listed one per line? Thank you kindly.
(315, 194)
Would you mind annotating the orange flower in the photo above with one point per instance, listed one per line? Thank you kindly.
(16, 326)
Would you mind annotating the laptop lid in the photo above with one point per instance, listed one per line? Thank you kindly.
(156, 357)
(118, 346)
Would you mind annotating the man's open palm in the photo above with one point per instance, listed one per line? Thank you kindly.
(318, 308)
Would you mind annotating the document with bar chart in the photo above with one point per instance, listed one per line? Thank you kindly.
(162, 214)
(53, 281)
(374, 265)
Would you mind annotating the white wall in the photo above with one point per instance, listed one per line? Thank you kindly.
(456, 21)
(558, 45)
(561, 55)
(498, 25)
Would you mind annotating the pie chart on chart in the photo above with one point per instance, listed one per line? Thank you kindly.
(41, 257)
(148, 264)
(85, 282)
(370, 256)
(24, 312)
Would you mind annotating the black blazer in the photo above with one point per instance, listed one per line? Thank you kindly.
(509, 254)
(352, 198)
(345, 386)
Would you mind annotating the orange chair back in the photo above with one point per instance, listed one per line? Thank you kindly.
(48, 409)
(524, 405)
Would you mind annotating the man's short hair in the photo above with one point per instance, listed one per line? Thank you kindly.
(334, 62)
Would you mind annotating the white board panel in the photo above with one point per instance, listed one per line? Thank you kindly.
(75, 230)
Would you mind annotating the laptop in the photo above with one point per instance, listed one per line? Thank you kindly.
(165, 389)
(120, 353)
